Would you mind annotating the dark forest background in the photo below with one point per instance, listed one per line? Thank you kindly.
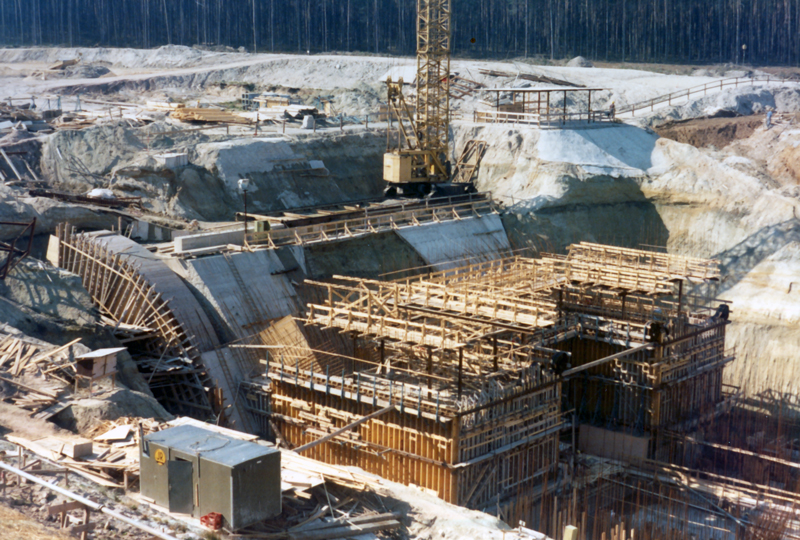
(664, 31)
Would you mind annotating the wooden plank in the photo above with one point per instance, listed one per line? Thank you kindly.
(25, 358)
(344, 532)
(10, 164)
(311, 525)
(86, 527)
(344, 429)
(54, 352)
(65, 507)
(29, 389)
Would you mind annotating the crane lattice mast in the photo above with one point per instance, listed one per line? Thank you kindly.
(421, 147)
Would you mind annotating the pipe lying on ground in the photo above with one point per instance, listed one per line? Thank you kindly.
(91, 504)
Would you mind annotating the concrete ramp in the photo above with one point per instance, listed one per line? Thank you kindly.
(227, 368)
(447, 245)
(617, 150)
(182, 303)
(247, 290)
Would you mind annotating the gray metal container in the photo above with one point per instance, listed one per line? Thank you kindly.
(190, 470)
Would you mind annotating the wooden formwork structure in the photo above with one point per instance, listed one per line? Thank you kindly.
(142, 319)
(377, 220)
(471, 362)
(470, 453)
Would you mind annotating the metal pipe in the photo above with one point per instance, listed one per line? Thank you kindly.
(91, 504)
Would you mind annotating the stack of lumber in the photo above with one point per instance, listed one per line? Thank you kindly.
(36, 373)
(290, 112)
(123, 431)
(109, 456)
(63, 64)
(15, 354)
(17, 114)
(164, 106)
(103, 468)
(187, 114)
(74, 121)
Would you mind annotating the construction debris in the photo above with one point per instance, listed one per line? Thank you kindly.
(529, 77)
(11, 251)
(203, 115)
(110, 202)
(63, 64)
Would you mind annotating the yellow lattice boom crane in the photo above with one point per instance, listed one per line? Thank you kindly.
(417, 144)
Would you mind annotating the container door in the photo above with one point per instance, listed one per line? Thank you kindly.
(180, 486)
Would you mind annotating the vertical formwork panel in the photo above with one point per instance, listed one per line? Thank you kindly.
(401, 447)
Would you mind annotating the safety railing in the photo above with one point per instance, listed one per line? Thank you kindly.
(552, 119)
(434, 210)
(703, 89)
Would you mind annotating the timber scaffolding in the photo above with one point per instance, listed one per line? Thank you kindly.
(141, 319)
(461, 379)
(329, 226)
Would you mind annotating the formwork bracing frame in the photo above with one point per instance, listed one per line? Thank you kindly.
(163, 351)
(14, 253)
(473, 350)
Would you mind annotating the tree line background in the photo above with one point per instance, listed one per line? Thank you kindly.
(663, 31)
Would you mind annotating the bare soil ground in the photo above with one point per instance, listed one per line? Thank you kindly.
(707, 132)
(12, 422)
(13, 524)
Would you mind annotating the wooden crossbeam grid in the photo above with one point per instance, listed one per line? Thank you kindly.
(608, 296)
(472, 348)
(662, 264)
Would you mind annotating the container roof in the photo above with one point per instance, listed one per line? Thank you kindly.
(99, 353)
(209, 445)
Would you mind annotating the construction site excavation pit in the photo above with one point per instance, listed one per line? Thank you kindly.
(512, 299)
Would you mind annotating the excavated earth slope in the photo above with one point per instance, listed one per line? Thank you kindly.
(625, 185)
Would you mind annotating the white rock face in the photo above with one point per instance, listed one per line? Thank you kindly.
(625, 185)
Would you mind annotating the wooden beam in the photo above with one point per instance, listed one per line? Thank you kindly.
(345, 531)
(345, 428)
(13, 168)
(29, 389)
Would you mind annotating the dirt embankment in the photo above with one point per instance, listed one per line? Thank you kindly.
(707, 132)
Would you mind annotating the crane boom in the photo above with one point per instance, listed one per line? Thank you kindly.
(419, 151)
